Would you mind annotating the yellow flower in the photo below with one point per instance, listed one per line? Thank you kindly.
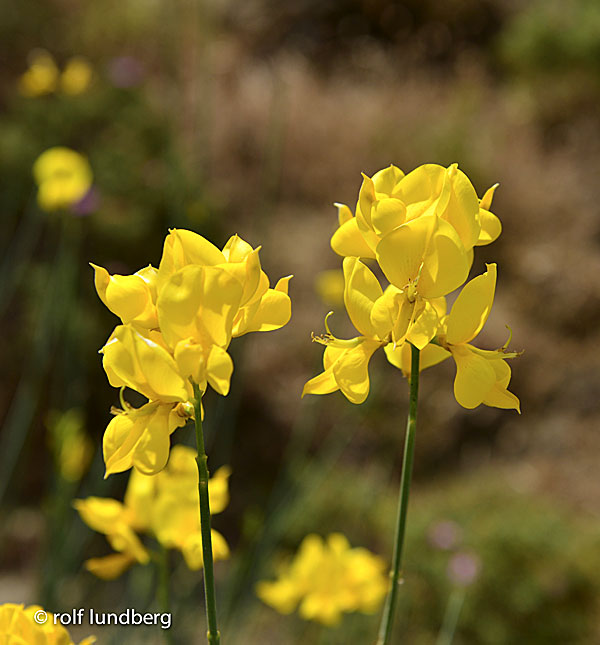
(77, 76)
(382, 317)
(41, 77)
(72, 447)
(391, 199)
(326, 579)
(482, 376)
(329, 285)
(20, 625)
(178, 322)
(63, 177)
(164, 506)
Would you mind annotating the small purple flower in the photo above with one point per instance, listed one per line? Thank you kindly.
(88, 204)
(126, 71)
(463, 568)
(444, 535)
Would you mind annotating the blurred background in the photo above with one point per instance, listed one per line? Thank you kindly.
(253, 118)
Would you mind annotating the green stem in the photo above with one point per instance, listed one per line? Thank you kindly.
(214, 638)
(389, 610)
(453, 609)
(163, 594)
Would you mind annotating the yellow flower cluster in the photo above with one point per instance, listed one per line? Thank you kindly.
(44, 77)
(63, 177)
(177, 323)
(421, 229)
(326, 579)
(20, 625)
(163, 505)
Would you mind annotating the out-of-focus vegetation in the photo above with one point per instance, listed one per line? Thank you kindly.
(254, 119)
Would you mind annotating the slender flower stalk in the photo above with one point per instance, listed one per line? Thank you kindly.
(389, 610)
(213, 635)
(163, 591)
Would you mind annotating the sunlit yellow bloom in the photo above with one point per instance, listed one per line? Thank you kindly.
(326, 579)
(77, 76)
(63, 177)
(20, 625)
(41, 77)
(391, 199)
(164, 506)
(72, 447)
(482, 376)
(178, 322)
(382, 317)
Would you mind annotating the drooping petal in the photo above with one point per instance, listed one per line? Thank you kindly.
(120, 438)
(499, 396)
(101, 514)
(219, 368)
(190, 359)
(471, 308)
(475, 377)
(491, 227)
(323, 383)
(361, 291)
(351, 370)
(218, 490)
(152, 449)
(127, 296)
(386, 312)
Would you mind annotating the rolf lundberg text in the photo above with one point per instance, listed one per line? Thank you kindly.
(127, 617)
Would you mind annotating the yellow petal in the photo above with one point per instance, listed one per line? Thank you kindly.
(323, 383)
(386, 180)
(402, 251)
(472, 307)
(387, 310)
(491, 227)
(445, 264)
(424, 327)
(140, 493)
(219, 368)
(387, 214)
(190, 360)
(101, 514)
(486, 201)
(344, 213)
(361, 291)
(152, 449)
(425, 191)
(351, 370)
(111, 566)
(272, 312)
(143, 365)
(236, 249)
(125, 540)
(348, 241)
(499, 396)
(462, 209)
(218, 490)
(120, 438)
(127, 296)
(475, 377)
(192, 549)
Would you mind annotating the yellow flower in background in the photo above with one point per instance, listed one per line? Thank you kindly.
(20, 625)
(164, 506)
(382, 317)
(44, 77)
(41, 77)
(77, 76)
(72, 447)
(63, 177)
(326, 579)
(482, 376)
(391, 199)
(329, 286)
(178, 322)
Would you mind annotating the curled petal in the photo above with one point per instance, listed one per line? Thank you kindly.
(472, 307)
(111, 566)
(361, 291)
(348, 241)
(475, 377)
(219, 368)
